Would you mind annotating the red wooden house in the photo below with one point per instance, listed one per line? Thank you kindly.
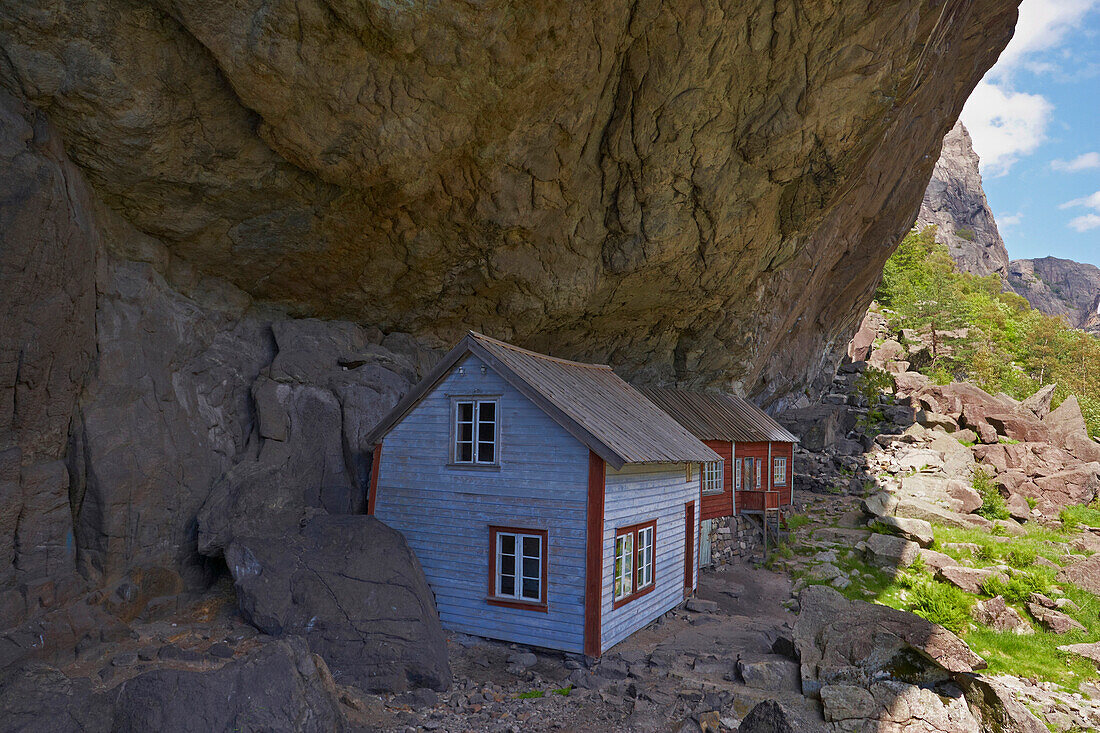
(757, 453)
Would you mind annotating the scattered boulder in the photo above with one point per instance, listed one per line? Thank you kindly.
(999, 616)
(879, 504)
(1018, 427)
(1089, 651)
(772, 674)
(1052, 620)
(848, 703)
(935, 560)
(352, 587)
(1066, 419)
(888, 551)
(968, 579)
(1085, 574)
(844, 642)
(916, 530)
(1076, 485)
(929, 512)
(771, 716)
(1039, 403)
(934, 420)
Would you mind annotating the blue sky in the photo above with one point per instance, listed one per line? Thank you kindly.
(1035, 121)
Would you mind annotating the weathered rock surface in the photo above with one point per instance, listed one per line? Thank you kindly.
(771, 716)
(1084, 574)
(845, 642)
(955, 204)
(352, 587)
(1051, 620)
(1060, 288)
(423, 175)
(999, 616)
(969, 579)
(279, 687)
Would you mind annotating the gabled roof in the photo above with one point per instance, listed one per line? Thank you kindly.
(589, 401)
(718, 416)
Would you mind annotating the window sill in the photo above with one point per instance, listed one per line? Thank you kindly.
(473, 466)
(620, 602)
(715, 492)
(523, 605)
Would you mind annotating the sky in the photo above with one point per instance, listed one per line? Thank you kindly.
(1035, 122)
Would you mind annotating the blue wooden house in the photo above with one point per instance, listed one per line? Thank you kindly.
(548, 501)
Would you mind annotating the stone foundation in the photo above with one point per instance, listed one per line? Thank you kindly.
(734, 540)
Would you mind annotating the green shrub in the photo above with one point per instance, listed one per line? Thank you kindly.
(1018, 587)
(1021, 557)
(985, 553)
(993, 504)
(1031, 502)
(797, 521)
(942, 604)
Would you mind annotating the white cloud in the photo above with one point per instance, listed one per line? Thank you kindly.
(1005, 125)
(1089, 202)
(1009, 221)
(1085, 223)
(1043, 25)
(1083, 162)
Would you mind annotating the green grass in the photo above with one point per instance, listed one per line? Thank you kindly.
(1020, 586)
(532, 695)
(564, 691)
(1083, 514)
(1007, 441)
(940, 603)
(797, 521)
(1039, 540)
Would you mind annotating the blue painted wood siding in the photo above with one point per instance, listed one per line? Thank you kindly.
(445, 513)
(637, 494)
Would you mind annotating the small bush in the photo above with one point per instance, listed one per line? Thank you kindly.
(942, 604)
(1031, 502)
(985, 553)
(1021, 557)
(993, 504)
(1019, 587)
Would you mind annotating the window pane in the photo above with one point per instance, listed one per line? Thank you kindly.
(466, 412)
(508, 544)
(531, 589)
(487, 412)
(531, 547)
(619, 547)
(507, 585)
(531, 567)
(486, 453)
(508, 564)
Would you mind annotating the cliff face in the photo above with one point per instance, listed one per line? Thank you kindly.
(692, 192)
(1060, 288)
(955, 204)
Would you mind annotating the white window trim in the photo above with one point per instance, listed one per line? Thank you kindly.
(518, 575)
(713, 477)
(779, 478)
(477, 401)
(624, 570)
(647, 581)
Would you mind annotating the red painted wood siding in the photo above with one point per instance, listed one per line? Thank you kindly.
(713, 506)
(759, 451)
(593, 582)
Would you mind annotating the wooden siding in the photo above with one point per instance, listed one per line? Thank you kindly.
(445, 512)
(635, 494)
(720, 505)
(765, 452)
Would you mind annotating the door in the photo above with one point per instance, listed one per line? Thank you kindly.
(705, 529)
(689, 547)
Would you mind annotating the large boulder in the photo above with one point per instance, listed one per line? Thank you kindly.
(915, 530)
(1084, 573)
(819, 427)
(999, 616)
(890, 552)
(969, 579)
(771, 716)
(847, 642)
(1076, 485)
(354, 589)
(1039, 403)
(1066, 419)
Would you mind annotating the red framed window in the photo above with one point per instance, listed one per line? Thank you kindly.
(518, 567)
(635, 561)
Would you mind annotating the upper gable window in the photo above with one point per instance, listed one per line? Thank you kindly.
(712, 477)
(476, 434)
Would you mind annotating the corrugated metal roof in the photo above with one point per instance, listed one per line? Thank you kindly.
(718, 415)
(593, 403)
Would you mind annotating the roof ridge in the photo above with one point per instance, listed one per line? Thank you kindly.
(536, 354)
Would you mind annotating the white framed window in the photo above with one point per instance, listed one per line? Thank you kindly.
(476, 432)
(624, 565)
(712, 477)
(519, 565)
(635, 561)
(737, 474)
(779, 473)
(644, 574)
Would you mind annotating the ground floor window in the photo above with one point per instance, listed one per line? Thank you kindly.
(779, 474)
(712, 477)
(518, 565)
(635, 561)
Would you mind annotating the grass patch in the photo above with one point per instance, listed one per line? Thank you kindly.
(564, 691)
(1033, 655)
(797, 521)
(532, 695)
(1021, 585)
(1039, 540)
(1007, 441)
(1083, 514)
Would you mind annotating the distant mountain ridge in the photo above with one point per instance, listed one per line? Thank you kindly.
(955, 204)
